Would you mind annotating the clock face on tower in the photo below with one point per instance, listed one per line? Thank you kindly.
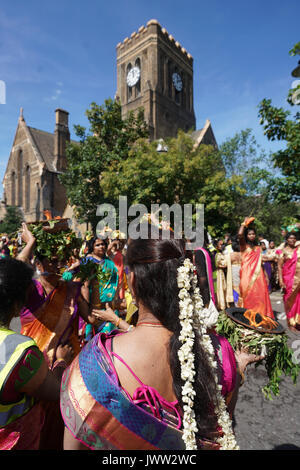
(177, 81)
(133, 76)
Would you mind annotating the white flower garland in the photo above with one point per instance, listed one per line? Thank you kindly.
(194, 316)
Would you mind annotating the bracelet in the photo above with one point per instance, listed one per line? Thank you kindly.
(118, 322)
(131, 327)
(60, 361)
(243, 224)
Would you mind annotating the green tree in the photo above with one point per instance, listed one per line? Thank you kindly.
(183, 174)
(108, 140)
(12, 220)
(242, 156)
(278, 126)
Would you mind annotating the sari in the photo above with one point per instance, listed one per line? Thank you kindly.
(291, 279)
(254, 293)
(224, 281)
(101, 414)
(103, 294)
(21, 416)
(52, 320)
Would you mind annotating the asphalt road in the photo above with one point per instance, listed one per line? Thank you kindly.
(261, 424)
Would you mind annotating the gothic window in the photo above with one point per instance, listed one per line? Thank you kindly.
(27, 188)
(177, 93)
(38, 202)
(13, 188)
(20, 178)
(129, 88)
(170, 84)
(162, 73)
(138, 85)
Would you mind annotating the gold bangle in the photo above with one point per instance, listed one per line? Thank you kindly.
(118, 322)
(243, 224)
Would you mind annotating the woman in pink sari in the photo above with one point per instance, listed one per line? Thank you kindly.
(254, 293)
(289, 279)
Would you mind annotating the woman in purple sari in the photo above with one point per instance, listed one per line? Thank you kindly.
(125, 390)
(289, 279)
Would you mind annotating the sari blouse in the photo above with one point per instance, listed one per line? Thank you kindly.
(100, 413)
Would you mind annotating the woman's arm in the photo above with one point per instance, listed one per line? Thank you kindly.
(280, 278)
(45, 384)
(26, 254)
(110, 316)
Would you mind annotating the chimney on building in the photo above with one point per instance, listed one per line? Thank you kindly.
(61, 136)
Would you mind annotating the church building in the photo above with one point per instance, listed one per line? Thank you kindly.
(36, 159)
(154, 72)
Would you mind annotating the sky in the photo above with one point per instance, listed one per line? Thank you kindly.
(62, 54)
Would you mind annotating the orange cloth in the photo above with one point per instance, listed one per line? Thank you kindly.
(254, 293)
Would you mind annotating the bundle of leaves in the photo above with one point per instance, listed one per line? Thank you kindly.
(59, 244)
(278, 356)
(91, 271)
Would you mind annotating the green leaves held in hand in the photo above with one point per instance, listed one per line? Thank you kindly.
(278, 356)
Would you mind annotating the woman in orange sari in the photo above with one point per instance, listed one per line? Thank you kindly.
(50, 316)
(254, 294)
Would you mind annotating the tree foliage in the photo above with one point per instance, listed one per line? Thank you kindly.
(183, 174)
(243, 156)
(278, 125)
(108, 140)
(12, 220)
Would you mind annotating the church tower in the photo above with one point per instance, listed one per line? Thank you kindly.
(155, 72)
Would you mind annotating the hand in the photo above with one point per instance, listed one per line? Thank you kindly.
(244, 358)
(105, 315)
(26, 235)
(248, 220)
(65, 352)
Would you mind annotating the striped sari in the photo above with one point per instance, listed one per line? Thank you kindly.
(102, 416)
(254, 293)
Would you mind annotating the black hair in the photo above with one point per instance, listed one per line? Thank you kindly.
(92, 241)
(155, 263)
(15, 279)
(247, 230)
(287, 236)
(202, 275)
(235, 246)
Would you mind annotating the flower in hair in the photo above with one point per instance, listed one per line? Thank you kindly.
(193, 316)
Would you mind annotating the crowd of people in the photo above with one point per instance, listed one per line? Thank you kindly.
(129, 358)
(249, 268)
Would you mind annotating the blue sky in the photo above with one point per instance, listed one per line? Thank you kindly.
(63, 54)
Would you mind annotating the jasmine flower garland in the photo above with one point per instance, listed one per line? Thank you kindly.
(194, 316)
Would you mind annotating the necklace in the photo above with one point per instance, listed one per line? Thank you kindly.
(145, 323)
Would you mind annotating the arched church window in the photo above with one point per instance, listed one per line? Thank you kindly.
(27, 188)
(13, 188)
(138, 83)
(170, 84)
(129, 88)
(38, 202)
(20, 178)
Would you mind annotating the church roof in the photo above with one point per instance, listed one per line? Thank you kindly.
(44, 142)
(205, 135)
